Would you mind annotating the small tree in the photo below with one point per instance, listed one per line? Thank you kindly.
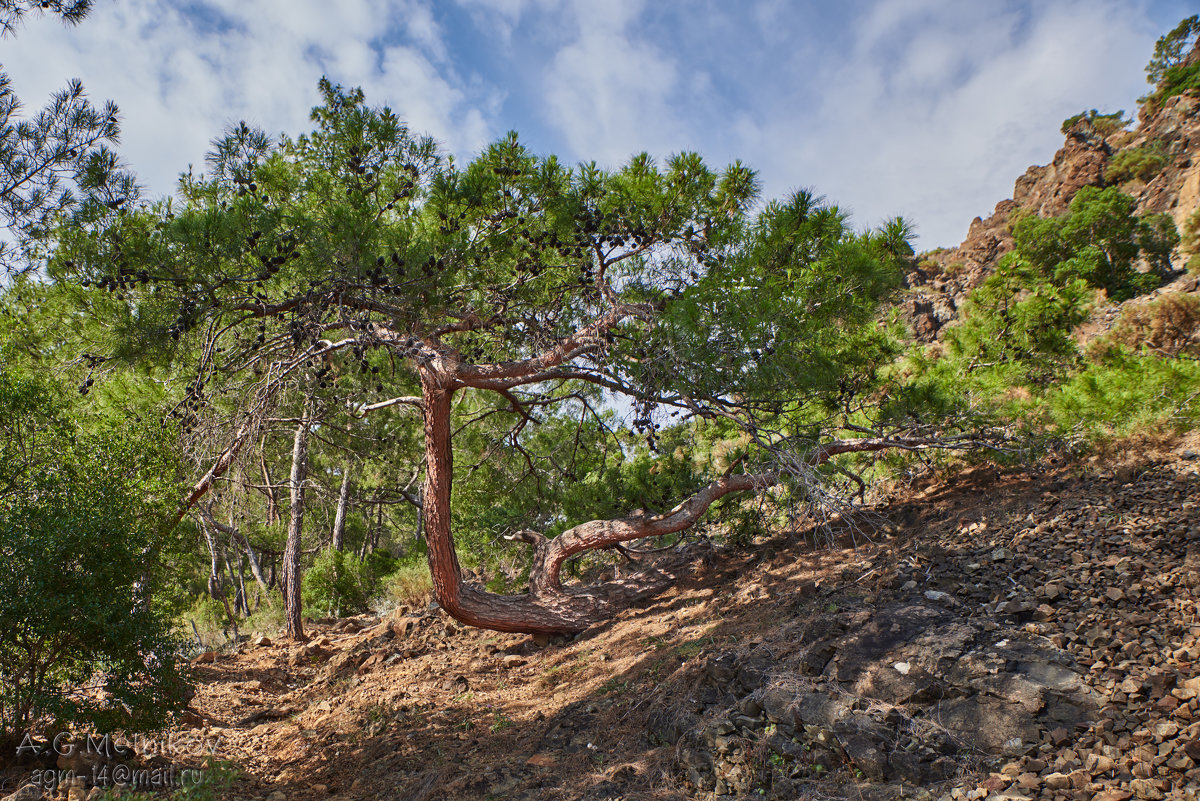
(1175, 68)
(1171, 49)
(1100, 241)
(77, 512)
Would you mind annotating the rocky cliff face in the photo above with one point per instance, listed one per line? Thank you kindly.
(942, 280)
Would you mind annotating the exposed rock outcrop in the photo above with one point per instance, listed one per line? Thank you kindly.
(941, 282)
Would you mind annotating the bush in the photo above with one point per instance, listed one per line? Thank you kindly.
(1127, 392)
(1169, 69)
(207, 614)
(1191, 233)
(338, 584)
(1014, 356)
(410, 584)
(1168, 326)
(1099, 240)
(1021, 323)
(332, 585)
(81, 524)
(1142, 162)
(268, 618)
(1103, 124)
(1181, 79)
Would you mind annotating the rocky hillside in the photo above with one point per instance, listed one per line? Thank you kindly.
(996, 636)
(1158, 163)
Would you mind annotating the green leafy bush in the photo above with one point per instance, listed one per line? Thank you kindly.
(1142, 162)
(1191, 233)
(1125, 392)
(81, 526)
(1099, 240)
(1014, 354)
(409, 584)
(1015, 319)
(1182, 79)
(338, 584)
(208, 616)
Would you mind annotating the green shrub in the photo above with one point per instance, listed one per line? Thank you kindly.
(268, 618)
(1126, 392)
(1179, 80)
(338, 584)
(211, 781)
(1013, 356)
(1191, 233)
(1168, 69)
(1142, 162)
(81, 525)
(1103, 124)
(207, 614)
(1099, 240)
(333, 585)
(1021, 324)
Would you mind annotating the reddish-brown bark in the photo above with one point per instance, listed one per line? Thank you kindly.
(548, 607)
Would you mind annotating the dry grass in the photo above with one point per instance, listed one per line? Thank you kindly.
(410, 585)
(1168, 326)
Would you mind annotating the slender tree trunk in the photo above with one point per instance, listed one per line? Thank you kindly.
(378, 532)
(291, 552)
(216, 583)
(241, 569)
(271, 493)
(366, 543)
(236, 536)
(256, 570)
(214, 571)
(339, 519)
(237, 605)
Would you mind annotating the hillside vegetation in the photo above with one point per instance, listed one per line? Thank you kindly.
(366, 474)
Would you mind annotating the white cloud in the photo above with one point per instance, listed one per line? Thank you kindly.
(179, 78)
(609, 92)
(941, 105)
(927, 108)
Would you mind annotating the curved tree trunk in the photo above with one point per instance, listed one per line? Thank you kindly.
(547, 608)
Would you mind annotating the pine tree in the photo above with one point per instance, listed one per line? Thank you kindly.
(57, 161)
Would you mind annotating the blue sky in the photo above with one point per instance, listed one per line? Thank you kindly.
(925, 108)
